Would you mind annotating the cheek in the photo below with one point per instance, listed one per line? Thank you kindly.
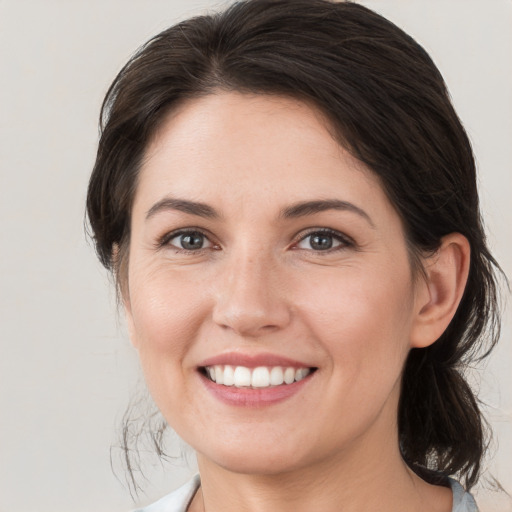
(167, 311)
(362, 316)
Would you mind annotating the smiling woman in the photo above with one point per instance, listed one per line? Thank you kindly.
(320, 295)
(288, 202)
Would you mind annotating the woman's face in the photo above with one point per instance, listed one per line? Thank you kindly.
(258, 242)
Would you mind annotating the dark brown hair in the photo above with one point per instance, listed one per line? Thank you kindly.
(389, 106)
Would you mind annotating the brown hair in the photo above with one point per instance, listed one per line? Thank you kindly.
(390, 108)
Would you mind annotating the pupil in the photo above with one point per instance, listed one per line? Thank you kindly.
(321, 242)
(192, 241)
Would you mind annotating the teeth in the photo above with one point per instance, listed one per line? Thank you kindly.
(229, 376)
(299, 374)
(260, 377)
(219, 375)
(242, 377)
(276, 376)
(289, 375)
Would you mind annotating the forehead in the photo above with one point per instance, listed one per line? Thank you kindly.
(233, 145)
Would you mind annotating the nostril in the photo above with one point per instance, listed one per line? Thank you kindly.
(252, 322)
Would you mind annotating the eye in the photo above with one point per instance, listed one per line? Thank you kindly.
(189, 241)
(323, 240)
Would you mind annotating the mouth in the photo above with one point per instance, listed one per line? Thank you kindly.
(259, 377)
(255, 380)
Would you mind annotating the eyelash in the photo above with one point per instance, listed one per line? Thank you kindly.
(345, 241)
(164, 241)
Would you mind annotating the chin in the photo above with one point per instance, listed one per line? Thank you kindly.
(256, 463)
(256, 458)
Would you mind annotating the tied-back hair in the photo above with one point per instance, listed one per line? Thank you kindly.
(389, 107)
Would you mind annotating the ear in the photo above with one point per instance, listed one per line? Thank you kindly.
(439, 293)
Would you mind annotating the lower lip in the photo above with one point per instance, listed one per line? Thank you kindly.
(250, 397)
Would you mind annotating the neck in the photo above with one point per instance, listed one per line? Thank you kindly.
(362, 479)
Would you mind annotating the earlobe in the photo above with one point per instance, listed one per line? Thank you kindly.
(439, 295)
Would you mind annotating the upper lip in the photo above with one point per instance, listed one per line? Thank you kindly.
(253, 360)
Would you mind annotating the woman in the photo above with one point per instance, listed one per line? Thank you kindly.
(288, 202)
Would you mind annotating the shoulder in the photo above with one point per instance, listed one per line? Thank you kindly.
(177, 501)
(462, 500)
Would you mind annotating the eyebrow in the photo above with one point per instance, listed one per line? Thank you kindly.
(183, 205)
(301, 209)
(305, 208)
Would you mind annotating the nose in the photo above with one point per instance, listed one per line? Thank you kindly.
(251, 297)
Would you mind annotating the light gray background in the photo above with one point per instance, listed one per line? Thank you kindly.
(67, 369)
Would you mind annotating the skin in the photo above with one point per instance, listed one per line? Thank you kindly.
(258, 285)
